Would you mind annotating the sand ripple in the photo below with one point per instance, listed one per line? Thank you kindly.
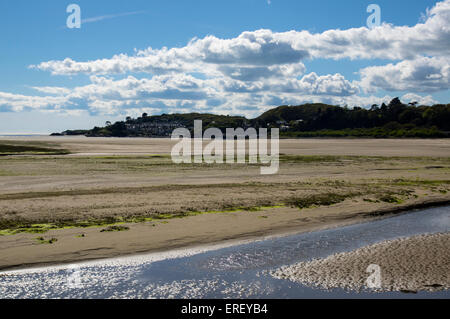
(420, 263)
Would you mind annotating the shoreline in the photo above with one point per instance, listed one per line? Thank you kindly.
(200, 244)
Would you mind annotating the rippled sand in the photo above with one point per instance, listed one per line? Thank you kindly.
(420, 263)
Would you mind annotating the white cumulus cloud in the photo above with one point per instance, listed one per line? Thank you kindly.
(420, 75)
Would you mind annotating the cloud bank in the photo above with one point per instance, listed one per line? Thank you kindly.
(255, 71)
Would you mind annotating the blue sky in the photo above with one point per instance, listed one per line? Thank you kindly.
(223, 72)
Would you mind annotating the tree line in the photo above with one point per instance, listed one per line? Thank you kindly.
(395, 119)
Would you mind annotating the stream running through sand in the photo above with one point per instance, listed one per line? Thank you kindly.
(238, 271)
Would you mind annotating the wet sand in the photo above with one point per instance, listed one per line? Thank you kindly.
(227, 270)
(85, 187)
(419, 263)
(80, 244)
(85, 146)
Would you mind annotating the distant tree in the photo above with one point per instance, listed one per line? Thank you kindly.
(108, 123)
(392, 126)
(119, 129)
(128, 118)
(144, 114)
(395, 102)
(413, 103)
(408, 116)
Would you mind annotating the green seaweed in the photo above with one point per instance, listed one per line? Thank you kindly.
(115, 228)
(42, 240)
(14, 149)
(388, 198)
(319, 200)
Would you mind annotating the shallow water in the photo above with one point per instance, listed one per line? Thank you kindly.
(240, 271)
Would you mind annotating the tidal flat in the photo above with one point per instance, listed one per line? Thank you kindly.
(132, 186)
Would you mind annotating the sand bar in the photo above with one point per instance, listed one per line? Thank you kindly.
(419, 263)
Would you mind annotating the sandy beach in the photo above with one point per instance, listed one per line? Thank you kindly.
(114, 197)
(419, 263)
(81, 145)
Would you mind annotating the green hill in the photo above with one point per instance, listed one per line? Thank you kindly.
(309, 120)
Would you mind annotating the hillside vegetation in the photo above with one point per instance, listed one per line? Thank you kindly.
(309, 120)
